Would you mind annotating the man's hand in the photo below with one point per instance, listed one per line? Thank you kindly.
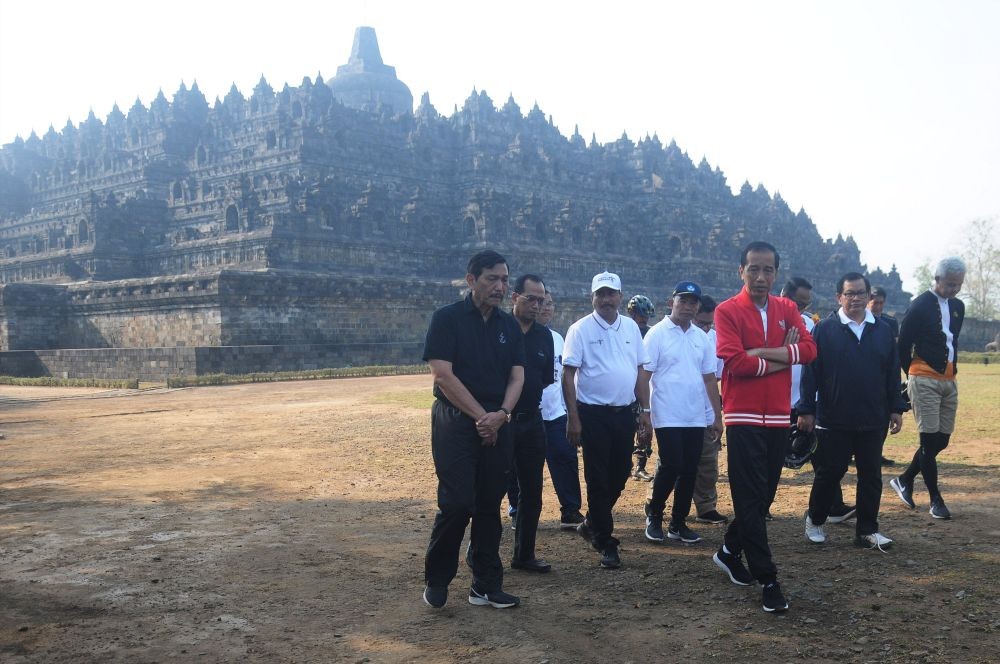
(807, 423)
(489, 424)
(792, 336)
(717, 429)
(574, 429)
(895, 423)
(645, 428)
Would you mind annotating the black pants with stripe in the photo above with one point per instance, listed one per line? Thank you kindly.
(755, 455)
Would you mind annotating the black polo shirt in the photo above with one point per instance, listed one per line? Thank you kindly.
(481, 352)
(538, 374)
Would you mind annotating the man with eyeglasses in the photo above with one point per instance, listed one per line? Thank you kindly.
(850, 393)
(799, 291)
(706, 495)
(526, 420)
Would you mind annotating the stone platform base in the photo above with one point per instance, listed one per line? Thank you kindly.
(157, 364)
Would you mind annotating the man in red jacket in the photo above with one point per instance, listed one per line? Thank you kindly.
(759, 336)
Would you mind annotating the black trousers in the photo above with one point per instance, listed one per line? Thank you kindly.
(472, 479)
(755, 455)
(679, 452)
(833, 453)
(608, 434)
(529, 459)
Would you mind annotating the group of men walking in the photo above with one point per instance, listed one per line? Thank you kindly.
(511, 395)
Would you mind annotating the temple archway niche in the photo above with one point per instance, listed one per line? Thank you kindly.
(232, 219)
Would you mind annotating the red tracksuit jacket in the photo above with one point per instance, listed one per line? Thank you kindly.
(750, 396)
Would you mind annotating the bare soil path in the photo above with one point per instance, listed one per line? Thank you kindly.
(286, 523)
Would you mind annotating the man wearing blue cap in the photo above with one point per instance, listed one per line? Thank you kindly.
(681, 372)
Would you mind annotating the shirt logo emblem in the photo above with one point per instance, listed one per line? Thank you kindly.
(503, 339)
(781, 324)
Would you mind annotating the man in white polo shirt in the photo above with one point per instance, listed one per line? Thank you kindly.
(602, 357)
(681, 371)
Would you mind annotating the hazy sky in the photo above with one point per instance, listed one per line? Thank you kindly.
(881, 119)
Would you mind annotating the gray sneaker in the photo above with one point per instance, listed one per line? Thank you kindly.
(815, 533)
(938, 509)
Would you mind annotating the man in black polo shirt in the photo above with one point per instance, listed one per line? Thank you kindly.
(526, 420)
(476, 355)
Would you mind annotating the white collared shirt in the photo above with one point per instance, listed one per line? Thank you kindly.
(856, 328)
(709, 410)
(797, 368)
(607, 358)
(678, 360)
(949, 338)
(553, 404)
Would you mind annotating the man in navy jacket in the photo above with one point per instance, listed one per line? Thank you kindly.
(856, 377)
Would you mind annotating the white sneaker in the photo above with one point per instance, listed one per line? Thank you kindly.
(874, 541)
(813, 532)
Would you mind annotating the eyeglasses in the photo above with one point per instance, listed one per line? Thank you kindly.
(855, 295)
(532, 299)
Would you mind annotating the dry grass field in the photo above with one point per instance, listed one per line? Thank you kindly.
(286, 523)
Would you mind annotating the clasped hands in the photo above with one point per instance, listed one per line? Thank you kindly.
(489, 424)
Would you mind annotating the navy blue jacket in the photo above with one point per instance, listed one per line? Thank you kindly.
(857, 381)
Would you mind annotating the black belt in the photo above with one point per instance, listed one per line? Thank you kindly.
(525, 417)
(607, 409)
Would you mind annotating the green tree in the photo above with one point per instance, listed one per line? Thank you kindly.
(924, 274)
(981, 254)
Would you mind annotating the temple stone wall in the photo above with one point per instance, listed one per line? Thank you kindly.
(158, 364)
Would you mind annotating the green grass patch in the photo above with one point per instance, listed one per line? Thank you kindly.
(420, 399)
(978, 358)
(279, 376)
(49, 381)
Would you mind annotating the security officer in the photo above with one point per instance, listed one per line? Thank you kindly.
(526, 420)
(476, 356)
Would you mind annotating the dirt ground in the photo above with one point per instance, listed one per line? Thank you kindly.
(287, 523)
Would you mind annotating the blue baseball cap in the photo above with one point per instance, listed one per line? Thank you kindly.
(687, 288)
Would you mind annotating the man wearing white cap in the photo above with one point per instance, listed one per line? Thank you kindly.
(601, 361)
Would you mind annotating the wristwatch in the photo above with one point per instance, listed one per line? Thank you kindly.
(505, 412)
(645, 410)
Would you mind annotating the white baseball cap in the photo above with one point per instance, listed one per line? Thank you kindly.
(606, 280)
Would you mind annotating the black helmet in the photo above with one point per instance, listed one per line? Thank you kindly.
(801, 446)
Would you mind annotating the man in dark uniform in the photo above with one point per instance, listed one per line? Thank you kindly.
(476, 356)
(876, 305)
(640, 309)
(526, 420)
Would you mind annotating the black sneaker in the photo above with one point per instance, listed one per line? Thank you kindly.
(938, 509)
(904, 491)
(773, 600)
(610, 558)
(654, 528)
(888, 462)
(712, 517)
(497, 599)
(732, 565)
(641, 475)
(570, 520)
(435, 596)
(841, 514)
(584, 531)
(768, 516)
(680, 531)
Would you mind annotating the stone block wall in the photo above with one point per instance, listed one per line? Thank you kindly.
(158, 364)
(31, 316)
